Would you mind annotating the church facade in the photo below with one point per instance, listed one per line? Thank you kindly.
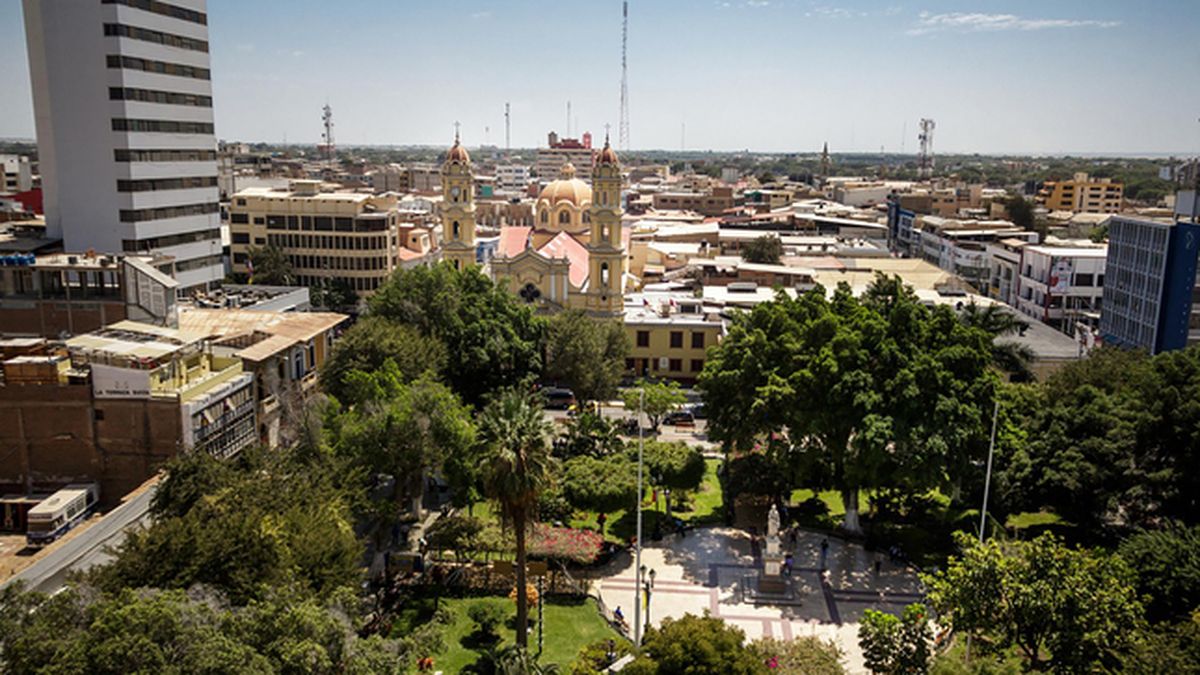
(573, 257)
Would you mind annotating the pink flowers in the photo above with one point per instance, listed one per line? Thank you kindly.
(564, 543)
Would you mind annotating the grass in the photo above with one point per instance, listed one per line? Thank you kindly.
(704, 507)
(1022, 521)
(570, 625)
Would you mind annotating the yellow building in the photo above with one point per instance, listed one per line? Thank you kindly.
(1082, 195)
(458, 207)
(575, 255)
(669, 336)
(347, 236)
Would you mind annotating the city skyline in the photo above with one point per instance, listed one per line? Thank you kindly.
(759, 75)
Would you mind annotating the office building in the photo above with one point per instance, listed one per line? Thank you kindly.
(1062, 286)
(123, 109)
(1151, 285)
(16, 175)
(326, 235)
(1082, 194)
(562, 151)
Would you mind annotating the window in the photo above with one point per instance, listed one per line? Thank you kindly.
(160, 67)
(643, 338)
(163, 8)
(240, 237)
(1083, 279)
(564, 217)
(147, 35)
(168, 156)
(697, 365)
(454, 230)
(155, 96)
(275, 222)
(323, 224)
(676, 339)
(239, 218)
(697, 340)
(140, 215)
(152, 184)
(629, 364)
(161, 126)
(675, 365)
(134, 245)
(545, 217)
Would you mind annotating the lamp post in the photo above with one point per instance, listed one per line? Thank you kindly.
(541, 604)
(648, 587)
(637, 554)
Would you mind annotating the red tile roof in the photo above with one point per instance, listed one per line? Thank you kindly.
(513, 240)
(564, 245)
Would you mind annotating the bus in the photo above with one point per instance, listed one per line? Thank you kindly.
(61, 511)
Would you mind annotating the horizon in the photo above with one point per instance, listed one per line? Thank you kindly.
(795, 74)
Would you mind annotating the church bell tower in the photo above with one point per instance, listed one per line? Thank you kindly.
(458, 207)
(606, 252)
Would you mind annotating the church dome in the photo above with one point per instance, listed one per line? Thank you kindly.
(607, 155)
(567, 188)
(457, 153)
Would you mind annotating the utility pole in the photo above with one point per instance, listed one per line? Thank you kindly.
(637, 556)
(507, 132)
(925, 165)
(327, 120)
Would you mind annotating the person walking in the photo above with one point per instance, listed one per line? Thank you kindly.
(824, 552)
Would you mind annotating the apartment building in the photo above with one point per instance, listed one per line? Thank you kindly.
(1149, 300)
(1082, 194)
(1062, 286)
(578, 152)
(326, 235)
(714, 202)
(1004, 264)
(123, 109)
(69, 294)
(513, 178)
(960, 246)
(16, 174)
(669, 334)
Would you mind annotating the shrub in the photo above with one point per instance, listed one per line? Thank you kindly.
(567, 544)
(487, 617)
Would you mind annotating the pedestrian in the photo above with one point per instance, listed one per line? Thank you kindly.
(787, 565)
(824, 552)
(601, 519)
(878, 564)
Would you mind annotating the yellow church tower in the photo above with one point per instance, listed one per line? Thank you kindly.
(458, 207)
(606, 253)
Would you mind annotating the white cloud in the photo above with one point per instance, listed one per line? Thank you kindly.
(973, 22)
(482, 15)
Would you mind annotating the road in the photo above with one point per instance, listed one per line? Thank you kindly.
(88, 549)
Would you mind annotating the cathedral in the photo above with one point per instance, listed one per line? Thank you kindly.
(574, 257)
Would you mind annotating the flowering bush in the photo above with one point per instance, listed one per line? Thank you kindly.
(564, 543)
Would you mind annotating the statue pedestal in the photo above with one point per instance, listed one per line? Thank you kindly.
(770, 586)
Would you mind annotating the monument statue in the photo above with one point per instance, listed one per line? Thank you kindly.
(773, 522)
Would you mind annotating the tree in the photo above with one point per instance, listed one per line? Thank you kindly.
(601, 485)
(1166, 648)
(695, 645)
(517, 467)
(270, 266)
(1020, 212)
(406, 430)
(372, 341)
(1002, 323)
(516, 660)
(661, 398)
(767, 249)
(804, 655)
(1167, 564)
(674, 465)
(855, 393)
(333, 293)
(456, 532)
(897, 645)
(589, 433)
(1067, 609)
(492, 339)
(586, 354)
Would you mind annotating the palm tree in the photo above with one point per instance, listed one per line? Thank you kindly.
(514, 660)
(1011, 357)
(517, 467)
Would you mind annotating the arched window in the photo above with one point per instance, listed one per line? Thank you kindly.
(587, 217)
(454, 229)
(604, 232)
(564, 217)
(604, 275)
(545, 217)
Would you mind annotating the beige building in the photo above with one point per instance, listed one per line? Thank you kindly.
(669, 335)
(326, 235)
(1088, 195)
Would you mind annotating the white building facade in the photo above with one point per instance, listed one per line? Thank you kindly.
(1062, 286)
(16, 174)
(123, 108)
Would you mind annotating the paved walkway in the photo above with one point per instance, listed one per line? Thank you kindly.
(707, 569)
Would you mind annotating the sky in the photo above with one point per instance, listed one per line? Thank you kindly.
(1036, 76)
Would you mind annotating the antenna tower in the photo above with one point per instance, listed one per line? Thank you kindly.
(568, 119)
(623, 128)
(925, 167)
(327, 120)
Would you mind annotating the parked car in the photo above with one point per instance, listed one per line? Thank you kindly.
(698, 411)
(678, 417)
(558, 398)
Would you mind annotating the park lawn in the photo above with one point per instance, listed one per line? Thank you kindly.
(832, 499)
(570, 626)
(705, 509)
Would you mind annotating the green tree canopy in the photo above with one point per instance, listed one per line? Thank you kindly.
(589, 433)
(1167, 564)
(857, 393)
(696, 645)
(661, 398)
(1068, 609)
(586, 354)
(270, 266)
(674, 465)
(373, 341)
(767, 249)
(602, 485)
(492, 339)
(897, 645)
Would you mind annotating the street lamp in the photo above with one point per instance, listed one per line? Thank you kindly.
(648, 587)
(637, 562)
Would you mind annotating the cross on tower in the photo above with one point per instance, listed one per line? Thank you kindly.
(456, 126)
(606, 126)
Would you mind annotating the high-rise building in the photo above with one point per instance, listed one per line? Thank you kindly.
(123, 108)
(1082, 194)
(1151, 281)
